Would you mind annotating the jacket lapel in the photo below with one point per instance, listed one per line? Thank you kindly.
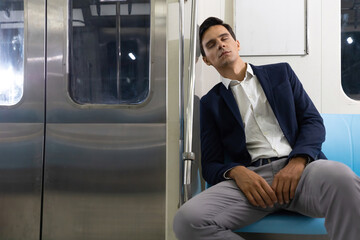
(265, 83)
(230, 101)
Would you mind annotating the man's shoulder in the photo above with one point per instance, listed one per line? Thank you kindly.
(275, 73)
(213, 94)
(272, 66)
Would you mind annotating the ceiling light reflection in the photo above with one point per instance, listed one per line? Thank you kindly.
(349, 40)
(132, 56)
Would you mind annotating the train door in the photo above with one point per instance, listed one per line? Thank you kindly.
(82, 119)
(22, 91)
(104, 170)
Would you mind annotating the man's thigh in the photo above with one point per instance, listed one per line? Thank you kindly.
(319, 182)
(223, 205)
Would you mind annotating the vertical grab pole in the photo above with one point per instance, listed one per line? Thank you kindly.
(181, 88)
(188, 155)
(118, 51)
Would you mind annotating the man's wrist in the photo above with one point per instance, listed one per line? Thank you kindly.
(226, 174)
(306, 159)
(232, 172)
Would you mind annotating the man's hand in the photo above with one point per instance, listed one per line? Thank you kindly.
(255, 188)
(287, 179)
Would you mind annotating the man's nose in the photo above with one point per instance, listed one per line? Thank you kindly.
(221, 45)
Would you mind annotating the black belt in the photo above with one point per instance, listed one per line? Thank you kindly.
(264, 161)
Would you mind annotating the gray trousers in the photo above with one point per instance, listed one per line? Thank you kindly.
(326, 189)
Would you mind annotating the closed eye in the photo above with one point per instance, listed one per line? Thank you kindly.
(210, 44)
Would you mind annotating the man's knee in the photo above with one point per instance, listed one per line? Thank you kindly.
(186, 220)
(333, 174)
(180, 224)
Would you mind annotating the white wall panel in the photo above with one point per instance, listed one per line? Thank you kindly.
(276, 27)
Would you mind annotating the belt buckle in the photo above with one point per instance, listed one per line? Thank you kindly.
(265, 161)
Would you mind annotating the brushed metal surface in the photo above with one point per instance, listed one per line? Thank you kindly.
(104, 165)
(22, 134)
(20, 180)
(104, 181)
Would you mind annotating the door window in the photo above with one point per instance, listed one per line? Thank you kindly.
(11, 52)
(109, 51)
(350, 48)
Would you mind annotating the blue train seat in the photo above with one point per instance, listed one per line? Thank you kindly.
(342, 144)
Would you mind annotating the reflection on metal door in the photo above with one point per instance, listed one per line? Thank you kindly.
(105, 120)
(21, 117)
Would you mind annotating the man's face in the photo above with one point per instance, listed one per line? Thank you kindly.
(219, 46)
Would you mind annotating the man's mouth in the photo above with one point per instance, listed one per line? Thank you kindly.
(223, 53)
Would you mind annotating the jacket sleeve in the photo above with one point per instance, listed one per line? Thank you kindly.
(311, 130)
(212, 151)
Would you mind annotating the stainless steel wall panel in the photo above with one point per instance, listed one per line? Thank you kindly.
(21, 147)
(114, 158)
(105, 181)
(22, 137)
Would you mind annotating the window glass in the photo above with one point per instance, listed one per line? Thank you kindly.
(350, 48)
(11, 51)
(109, 51)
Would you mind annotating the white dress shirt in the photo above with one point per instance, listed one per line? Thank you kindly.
(264, 137)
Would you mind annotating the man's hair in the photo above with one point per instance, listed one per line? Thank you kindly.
(209, 22)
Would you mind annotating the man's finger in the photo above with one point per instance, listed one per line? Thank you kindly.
(251, 199)
(293, 187)
(286, 191)
(258, 199)
(265, 196)
(270, 192)
(279, 191)
(274, 183)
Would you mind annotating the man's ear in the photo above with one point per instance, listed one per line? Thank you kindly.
(206, 61)
(238, 45)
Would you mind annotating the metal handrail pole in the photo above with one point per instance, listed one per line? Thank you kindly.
(181, 88)
(188, 155)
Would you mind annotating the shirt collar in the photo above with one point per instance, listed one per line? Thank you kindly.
(249, 74)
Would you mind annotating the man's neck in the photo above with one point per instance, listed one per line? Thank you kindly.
(236, 71)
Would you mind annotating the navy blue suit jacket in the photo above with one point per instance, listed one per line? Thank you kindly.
(223, 143)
